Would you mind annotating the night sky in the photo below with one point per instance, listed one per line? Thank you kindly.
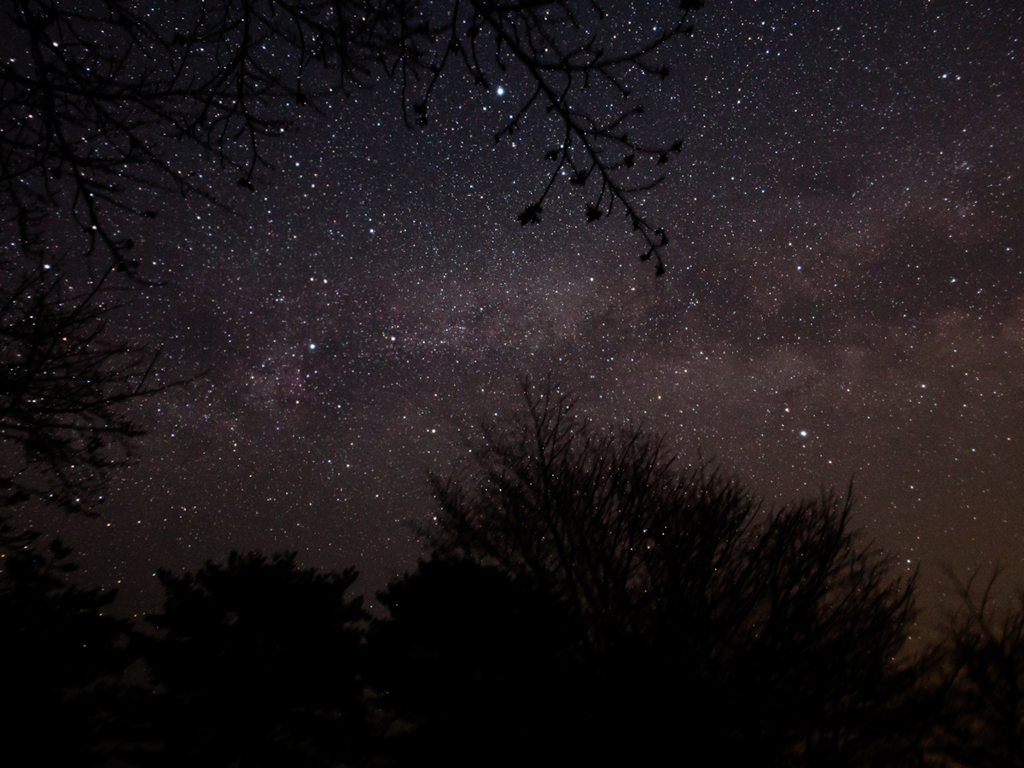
(844, 297)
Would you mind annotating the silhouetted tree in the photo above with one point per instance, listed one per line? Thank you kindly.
(64, 381)
(747, 632)
(256, 664)
(63, 658)
(90, 93)
(459, 663)
(983, 718)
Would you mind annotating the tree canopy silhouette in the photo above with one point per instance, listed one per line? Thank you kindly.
(982, 719)
(257, 662)
(460, 659)
(90, 94)
(63, 656)
(766, 632)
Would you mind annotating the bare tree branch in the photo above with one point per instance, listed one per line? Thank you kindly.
(785, 618)
(64, 383)
(93, 93)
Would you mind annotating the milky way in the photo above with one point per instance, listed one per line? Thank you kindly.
(844, 298)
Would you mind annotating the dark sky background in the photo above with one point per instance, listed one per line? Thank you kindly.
(844, 297)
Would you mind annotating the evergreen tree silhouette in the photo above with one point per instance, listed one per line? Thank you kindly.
(63, 658)
(460, 663)
(256, 663)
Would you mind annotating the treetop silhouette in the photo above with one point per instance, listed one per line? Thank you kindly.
(257, 661)
(782, 625)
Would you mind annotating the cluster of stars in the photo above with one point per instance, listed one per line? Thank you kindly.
(843, 298)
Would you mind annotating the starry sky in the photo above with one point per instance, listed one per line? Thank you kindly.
(844, 297)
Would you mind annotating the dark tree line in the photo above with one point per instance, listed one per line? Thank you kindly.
(63, 657)
(587, 599)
